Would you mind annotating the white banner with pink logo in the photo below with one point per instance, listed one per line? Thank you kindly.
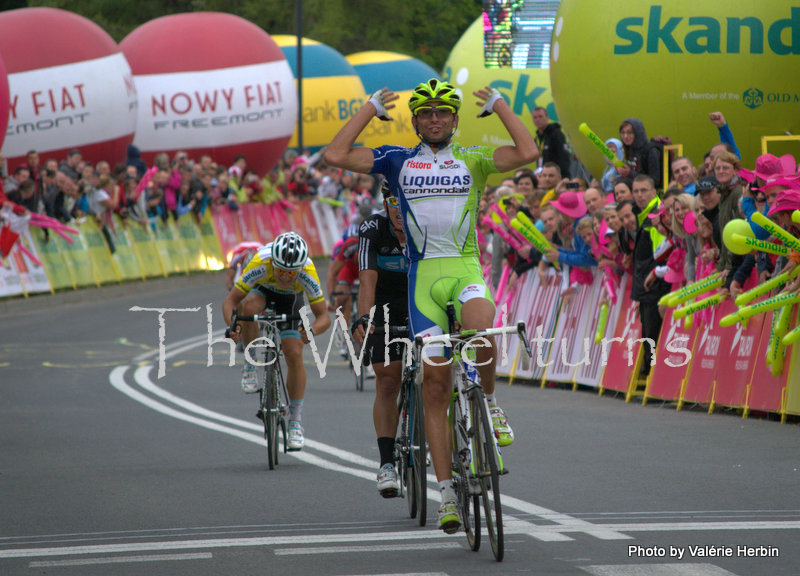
(70, 106)
(215, 107)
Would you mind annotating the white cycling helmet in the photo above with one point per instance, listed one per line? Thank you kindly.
(289, 251)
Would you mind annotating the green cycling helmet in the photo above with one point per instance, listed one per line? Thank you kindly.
(434, 91)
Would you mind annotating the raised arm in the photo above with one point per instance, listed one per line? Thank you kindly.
(524, 151)
(340, 152)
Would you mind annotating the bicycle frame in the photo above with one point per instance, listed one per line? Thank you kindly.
(273, 396)
(476, 458)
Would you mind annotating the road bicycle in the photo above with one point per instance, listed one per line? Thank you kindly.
(477, 462)
(410, 448)
(340, 337)
(273, 397)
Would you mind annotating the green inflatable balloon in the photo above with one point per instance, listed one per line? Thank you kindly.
(523, 89)
(671, 64)
(741, 227)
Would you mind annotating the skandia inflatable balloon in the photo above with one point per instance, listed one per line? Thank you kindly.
(671, 64)
(211, 83)
(332, 91)
(4, 101)
(523, 89)
(400, 74)
(70, 87)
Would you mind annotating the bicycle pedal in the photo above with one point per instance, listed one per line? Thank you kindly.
(504, 471)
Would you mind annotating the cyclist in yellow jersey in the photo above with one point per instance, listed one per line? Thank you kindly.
(277, 277)
(438, 184)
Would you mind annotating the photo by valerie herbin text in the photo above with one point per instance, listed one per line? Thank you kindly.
(681, 552)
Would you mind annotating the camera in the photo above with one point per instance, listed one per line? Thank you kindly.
(573, 185)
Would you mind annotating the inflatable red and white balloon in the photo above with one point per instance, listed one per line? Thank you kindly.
(212, 83)
(4, 101)
(69, 87)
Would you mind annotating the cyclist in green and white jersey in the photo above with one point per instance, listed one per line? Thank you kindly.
(438, 184)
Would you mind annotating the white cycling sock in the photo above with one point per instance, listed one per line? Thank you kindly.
(491, 400)
(447, 491)
(296, 410)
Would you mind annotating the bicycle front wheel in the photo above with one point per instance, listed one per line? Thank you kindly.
(269, 411)
(487, 472)
(419, 456)
(461, 476)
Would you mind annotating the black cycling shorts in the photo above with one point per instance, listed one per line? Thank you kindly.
(282, 303)
(376, 343)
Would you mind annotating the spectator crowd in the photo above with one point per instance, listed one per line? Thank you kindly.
(662, 234)
(73, 188)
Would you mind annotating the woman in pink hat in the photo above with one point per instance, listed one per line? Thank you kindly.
(770, 176)
(786, 202)
(571, 207)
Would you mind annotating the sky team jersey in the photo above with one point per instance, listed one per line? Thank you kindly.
(381, 251)
(439, 195)
(261, 272)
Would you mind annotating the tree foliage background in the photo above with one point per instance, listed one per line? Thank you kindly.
(424, 29)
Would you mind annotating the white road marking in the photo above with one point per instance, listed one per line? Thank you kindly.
(380, 548)
(686, 526)
(120, 560)
(569, 523)
(199, 544)
(411, 574)
(657, 570)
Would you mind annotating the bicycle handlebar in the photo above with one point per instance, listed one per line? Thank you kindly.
(394, 331)
(266, 315)
(465, 335)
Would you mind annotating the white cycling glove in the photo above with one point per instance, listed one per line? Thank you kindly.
(487, 109)
(380, 110)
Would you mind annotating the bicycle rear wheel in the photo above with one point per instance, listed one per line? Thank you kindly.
(282, 394)
(359, 375)
(269, 414)
(419, 456)
(460, 448)
(488, 473)
(402, 450)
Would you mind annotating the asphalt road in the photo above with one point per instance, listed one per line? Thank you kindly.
(105, 468)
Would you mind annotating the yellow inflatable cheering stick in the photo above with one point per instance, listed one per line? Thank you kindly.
(779, 233)
(759, 308)
(604, 150)
(699, 305)
(690, 291)
(745, 298)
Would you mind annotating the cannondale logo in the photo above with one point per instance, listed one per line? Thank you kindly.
(753, 98)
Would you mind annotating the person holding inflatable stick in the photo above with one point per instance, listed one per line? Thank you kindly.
(787, 202)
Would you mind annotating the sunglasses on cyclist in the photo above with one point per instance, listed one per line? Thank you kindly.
(392, 201)
(285, 272)
(442, 112)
